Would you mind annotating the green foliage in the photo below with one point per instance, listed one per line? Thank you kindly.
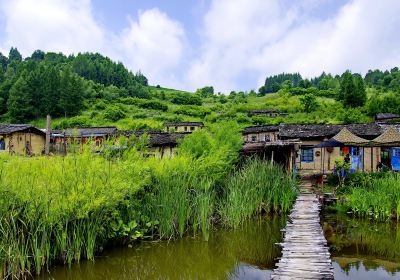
(258, 187)
(182, 98)
(309, 102)
(352, 90)
(192, 110)
(205, 92)
(14, 55)
(146, 104)
(377, 197)
(114, 113)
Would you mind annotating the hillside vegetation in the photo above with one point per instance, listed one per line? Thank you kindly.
(91, 90)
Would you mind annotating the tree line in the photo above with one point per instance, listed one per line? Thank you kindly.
(52, 83)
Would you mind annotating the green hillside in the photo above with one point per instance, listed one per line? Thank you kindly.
(91, 90)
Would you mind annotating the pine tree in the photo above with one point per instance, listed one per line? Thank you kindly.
(19, 106)
(360, 92)
(347, 90)
(14, 55)
(71, 98)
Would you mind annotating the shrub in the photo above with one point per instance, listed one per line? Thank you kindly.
(145, 104)
(114, 113)
(183, 98)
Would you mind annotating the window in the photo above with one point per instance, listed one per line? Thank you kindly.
(2, 145)
(192, 128)
(185, 128)
(307, 154)
(396, 152)
(253, 138)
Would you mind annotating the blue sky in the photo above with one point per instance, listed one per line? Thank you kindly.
(230, 44)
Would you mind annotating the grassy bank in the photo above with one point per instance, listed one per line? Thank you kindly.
(375, 195)
(63, 209)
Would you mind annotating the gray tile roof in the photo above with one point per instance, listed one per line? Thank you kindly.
(185, 124)
(307, 131)
(11, 128)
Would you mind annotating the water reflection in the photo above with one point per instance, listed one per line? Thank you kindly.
(247, 253)
(363, 249)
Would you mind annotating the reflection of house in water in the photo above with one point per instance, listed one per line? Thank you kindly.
(183, 126)
(21, 139)
(272, 112)
(314, 148)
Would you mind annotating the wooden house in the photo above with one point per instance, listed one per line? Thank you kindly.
(23, 139)
(186, 127)
(389, 142)
(63, 140)
(160, 144)
(315, 148)
(313, 158)
(387, 118)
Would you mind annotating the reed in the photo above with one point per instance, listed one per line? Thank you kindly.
(258, 187)
(380, 200)
(62, 209)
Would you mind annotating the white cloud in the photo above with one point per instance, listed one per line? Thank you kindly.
(155, 44)
(51, 25)
(257, 38)
(242, 41)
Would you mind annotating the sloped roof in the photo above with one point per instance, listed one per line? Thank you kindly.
(185, 123)
(261, 128)
(158, 138)
(303, 131)
(262, 111)
(386, 116)
(389, 137)
(346, 137)
(89, 131)
(11, 128)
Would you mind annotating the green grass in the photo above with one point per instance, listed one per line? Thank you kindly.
(64, 209)
(379, 199)
(258, 187)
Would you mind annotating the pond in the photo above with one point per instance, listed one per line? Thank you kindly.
(246, 253)
(360, 250)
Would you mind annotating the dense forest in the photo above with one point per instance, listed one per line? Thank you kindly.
(90, 89)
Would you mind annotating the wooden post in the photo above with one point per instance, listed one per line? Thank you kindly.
(372, 159)
(272, 157)
(48, 132)
(363, 156)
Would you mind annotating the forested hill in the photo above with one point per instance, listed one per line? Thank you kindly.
(59, 85)
(90, 89)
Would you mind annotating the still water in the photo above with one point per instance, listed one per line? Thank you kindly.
(360, 250)
(363, 249)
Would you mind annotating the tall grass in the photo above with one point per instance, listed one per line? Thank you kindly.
(380, 199)
(56, 209)
(63, 209)
(258, 187)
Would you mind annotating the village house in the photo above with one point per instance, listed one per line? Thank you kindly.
(387, 118)
(315, 148)
(22, 139)
(62, 140)
(272, 112)
(187, 127)
(161, 144)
